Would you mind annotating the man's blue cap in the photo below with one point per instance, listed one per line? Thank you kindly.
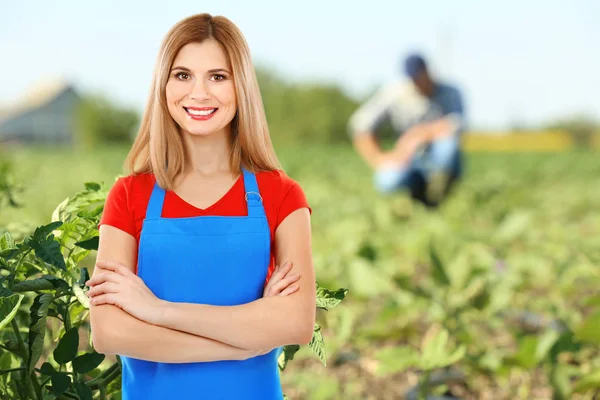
(413, 65)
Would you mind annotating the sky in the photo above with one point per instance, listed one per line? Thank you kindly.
(517, 62)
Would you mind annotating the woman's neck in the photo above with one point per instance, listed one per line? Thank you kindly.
(208, 155)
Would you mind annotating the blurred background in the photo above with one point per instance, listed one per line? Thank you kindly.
(489, 296)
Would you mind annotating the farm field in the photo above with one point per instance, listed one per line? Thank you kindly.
(493, 296)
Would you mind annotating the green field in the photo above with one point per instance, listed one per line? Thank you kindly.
(506, 266)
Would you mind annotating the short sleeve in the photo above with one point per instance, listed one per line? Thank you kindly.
(117, 212)
(293, 200)
(372, 114)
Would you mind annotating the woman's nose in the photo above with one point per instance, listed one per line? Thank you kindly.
(200, 91)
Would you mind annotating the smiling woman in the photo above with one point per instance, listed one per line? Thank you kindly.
(186, 287)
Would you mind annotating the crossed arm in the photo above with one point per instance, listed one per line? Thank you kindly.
(143, 327)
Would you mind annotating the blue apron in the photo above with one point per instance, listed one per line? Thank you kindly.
(215, 260)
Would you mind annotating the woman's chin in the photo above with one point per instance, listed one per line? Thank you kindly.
(200, 132)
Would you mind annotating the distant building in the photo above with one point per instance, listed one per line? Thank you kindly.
(47, 115)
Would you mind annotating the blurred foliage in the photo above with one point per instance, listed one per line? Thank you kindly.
(580, 128)
(297, 112)
(102, 121)
(493, 295)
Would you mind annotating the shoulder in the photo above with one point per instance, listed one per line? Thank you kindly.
(133, 189)
(135, 184)
(279, 190)
(275, 180)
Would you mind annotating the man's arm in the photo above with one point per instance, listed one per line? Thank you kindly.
(267, 322)
(116, 332)
(364, 123)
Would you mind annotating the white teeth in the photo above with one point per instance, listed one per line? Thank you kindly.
(200, 112)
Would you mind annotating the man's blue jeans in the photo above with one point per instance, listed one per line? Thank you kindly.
(443, 155)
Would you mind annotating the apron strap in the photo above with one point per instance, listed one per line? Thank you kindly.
(155, 205)
(253, 197)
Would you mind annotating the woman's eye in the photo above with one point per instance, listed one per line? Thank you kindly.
(182, 76)
(218, 77)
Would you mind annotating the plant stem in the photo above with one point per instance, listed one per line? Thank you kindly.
(36, 385)
(24, 375)
(424, 385)
(105, 378)
(8, 371)
(21, 343)
(16, 268)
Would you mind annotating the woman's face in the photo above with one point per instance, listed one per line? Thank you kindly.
(200, 91)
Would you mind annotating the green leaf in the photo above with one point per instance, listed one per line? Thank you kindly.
(560, 380)
(87, 362)
(46, 247)
(67, 347)
(84, 276)
(588, 382)
(438, 272)
(84, 392)
(317, 344)
(4, 292)
(327, 299)
(8, 308)
(37, 327)
(545, 344)
(405, 283)
(435, 352)
(47, 282)
(565, 343)
(7, 242)
(60, 383)
(47, 369)
(366, 280)
(396, 359)
(93, 186)
(589, 330)
(368, 252)
(91, 215)
(286, 355)
(89, 244)
(43, 231)
(525, 355)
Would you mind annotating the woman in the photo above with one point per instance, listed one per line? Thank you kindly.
(207, 214)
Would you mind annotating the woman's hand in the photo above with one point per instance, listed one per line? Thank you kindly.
(115, 284)
(280, 284)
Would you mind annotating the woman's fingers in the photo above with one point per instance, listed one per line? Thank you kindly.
(102, 277)
(281, 271)
(289, 290)
(277, 287)
(106, 287)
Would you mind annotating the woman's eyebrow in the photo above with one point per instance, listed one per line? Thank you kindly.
(181, 68)
(211, 71)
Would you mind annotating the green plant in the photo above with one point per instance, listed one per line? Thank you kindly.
(42, 279)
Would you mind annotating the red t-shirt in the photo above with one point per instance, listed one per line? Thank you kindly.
(126, 203)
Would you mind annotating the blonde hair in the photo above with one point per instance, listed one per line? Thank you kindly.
(159, 148)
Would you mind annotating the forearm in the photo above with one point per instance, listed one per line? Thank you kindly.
(262, 324)
(128, 336)
(367, 147)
